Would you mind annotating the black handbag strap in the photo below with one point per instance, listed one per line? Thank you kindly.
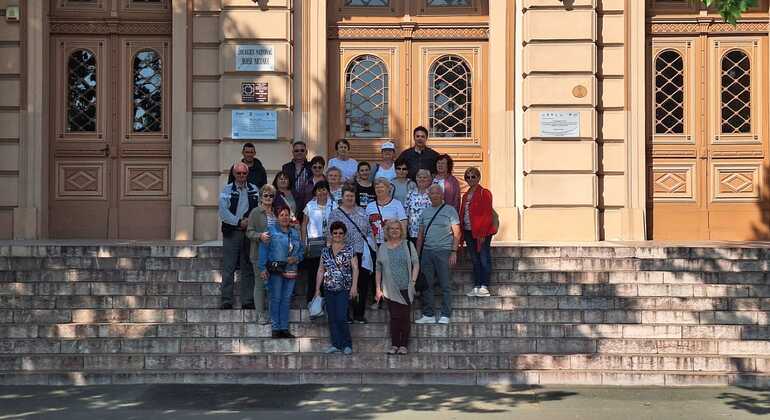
(358, 229)
(425, 233)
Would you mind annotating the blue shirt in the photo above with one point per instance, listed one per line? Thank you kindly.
(282, 245)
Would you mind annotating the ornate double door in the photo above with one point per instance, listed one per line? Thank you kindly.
(396, 65)
(708, 143)
(109, 144)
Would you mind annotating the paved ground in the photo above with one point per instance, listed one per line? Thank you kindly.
(379, 402)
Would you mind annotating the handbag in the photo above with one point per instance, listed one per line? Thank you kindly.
(280, 267)
(366, 258)
(315, 246)
(421, 284)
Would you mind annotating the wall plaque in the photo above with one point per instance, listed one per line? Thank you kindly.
(248, 124)
(560, 124)
(254, 92)
(255, 57)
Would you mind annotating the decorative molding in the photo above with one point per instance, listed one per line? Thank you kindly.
(662, 28)
(408, 32)
(122, 28)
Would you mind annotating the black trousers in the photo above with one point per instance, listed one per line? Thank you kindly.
(310, 267)
(365, 284)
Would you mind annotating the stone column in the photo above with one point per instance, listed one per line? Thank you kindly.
(33, 175)
(560, 67)
(314, 77)
(182, 211)
(502, 139)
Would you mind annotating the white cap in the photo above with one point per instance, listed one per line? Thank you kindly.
(388, 145)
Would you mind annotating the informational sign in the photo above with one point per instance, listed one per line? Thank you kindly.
(255, 57)
(248, 124)
(254, 92)
(559, 124)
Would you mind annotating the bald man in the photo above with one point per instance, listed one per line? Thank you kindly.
(236, 202)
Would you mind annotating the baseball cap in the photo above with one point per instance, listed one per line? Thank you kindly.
(388, 145)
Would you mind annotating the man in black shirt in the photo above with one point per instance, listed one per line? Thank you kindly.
(257, 174)
(420, 156)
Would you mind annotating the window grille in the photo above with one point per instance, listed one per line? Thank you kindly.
(449, 96)
(366, 98)
(81, 97)
(669, 93)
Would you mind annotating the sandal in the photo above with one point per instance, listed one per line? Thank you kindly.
(402, 350)
(393, 350)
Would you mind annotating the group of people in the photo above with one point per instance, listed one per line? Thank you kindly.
(360, 235)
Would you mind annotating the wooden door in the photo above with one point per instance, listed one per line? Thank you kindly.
(395, 65)
(708, 142)
(110, 151)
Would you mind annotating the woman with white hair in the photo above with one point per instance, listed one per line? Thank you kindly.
(383, 208)
(417, 201)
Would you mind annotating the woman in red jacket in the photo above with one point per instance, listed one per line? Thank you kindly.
(478, 227)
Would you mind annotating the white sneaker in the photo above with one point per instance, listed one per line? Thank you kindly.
(443, 320)
(483, 292)
(426, 320)
(473, 293)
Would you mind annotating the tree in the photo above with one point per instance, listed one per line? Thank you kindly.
(731, 10)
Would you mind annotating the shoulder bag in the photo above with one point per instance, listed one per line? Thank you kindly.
(421, 284)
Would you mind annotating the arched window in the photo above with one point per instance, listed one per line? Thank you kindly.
(736, 93)
(148, 92)
(669, 93)
(449, 96)
(81, 92)
(366, 98)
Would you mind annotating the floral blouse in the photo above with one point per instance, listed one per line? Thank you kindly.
(338, 269)
(416, 202)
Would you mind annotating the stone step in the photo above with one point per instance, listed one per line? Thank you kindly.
(418, 344)
(380, 361)
(381, 329)
(391, 376)
(515, 315)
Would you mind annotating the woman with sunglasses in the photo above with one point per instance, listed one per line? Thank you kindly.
(397, 269)
(305, 194)
(444, 166)
(314, 225)
(278, 259)
(478, 225)
(284, 195)
(338, 275)
(261, 219)
(402, 184)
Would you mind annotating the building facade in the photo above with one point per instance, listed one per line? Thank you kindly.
(590, 119)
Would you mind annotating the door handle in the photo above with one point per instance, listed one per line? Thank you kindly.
(105, 150)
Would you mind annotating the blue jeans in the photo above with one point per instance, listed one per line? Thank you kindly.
(280, 291)
(435, 265)
(481, 259)
(337, 312)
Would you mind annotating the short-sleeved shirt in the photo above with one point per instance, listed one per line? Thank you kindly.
(318, 218)
(347, 167)
(415, 204)
(439, 237)
(400, 266)
(338, 269)
(355, 218)
(376, 213)
(364, 195)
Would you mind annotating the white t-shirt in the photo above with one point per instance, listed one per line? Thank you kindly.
(394, 210)
(389, 174)
(347, 167)
(317, 218)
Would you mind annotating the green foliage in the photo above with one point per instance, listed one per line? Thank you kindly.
(731, 10)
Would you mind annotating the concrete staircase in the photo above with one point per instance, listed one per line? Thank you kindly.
(624, 314)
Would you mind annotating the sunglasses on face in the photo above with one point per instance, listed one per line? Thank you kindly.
(241, 173)
(338, 232)
(402, 169)
(471, 177)
(268, 195)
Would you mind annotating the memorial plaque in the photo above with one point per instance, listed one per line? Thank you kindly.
(560, 124)
(254, 92)
(255, 57)
(248, 124)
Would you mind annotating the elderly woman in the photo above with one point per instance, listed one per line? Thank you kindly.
(359, 233)
(261, 220)
(278, 259)
(402, 185)
(397, 269)
(447, 181)
(338, 275)
(315, 224)
(383, 208)
(334, 177)
(477, 221)
(417, 201)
